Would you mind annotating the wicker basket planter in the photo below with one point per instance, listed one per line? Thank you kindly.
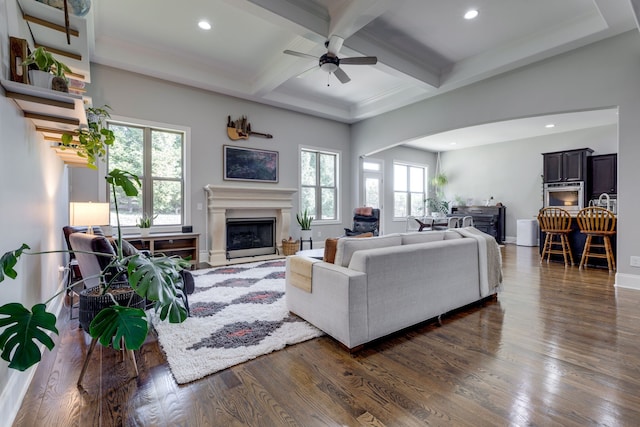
(91, 302)
(290, 247)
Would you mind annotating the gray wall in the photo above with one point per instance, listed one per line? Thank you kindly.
(511, 171)
(139, 97)
(402, 154)
(34, 199)
(601, 75)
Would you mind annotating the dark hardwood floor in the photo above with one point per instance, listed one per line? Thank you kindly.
(558, 347)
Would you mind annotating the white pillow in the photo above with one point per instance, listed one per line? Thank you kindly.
(348, 245)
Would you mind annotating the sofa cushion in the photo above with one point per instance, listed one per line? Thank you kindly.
(348, 245)
(422, 237)
(331, 244)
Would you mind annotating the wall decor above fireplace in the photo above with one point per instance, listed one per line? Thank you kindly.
(247, 164)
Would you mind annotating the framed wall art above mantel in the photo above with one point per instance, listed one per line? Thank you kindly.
(249, 164)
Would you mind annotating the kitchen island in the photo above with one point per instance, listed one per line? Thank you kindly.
(577, 241)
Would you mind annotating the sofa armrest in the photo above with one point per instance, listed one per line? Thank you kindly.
(336, 304)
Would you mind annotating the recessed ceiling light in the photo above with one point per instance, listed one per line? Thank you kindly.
(205, 25)
(550, 125)
(471, 13)
(453, 143)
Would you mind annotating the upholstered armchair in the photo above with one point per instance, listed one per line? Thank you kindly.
(91, 265)
(365, 220)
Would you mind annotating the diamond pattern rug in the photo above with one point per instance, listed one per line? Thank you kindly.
(237, 314)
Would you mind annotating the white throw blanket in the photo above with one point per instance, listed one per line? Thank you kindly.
(489, 258)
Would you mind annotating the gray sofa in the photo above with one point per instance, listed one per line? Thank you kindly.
(383, 284)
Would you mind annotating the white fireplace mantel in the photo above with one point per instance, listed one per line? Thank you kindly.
(230, 201)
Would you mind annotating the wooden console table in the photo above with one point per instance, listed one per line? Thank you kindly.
(184, 245)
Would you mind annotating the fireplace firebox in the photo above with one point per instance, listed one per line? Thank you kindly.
(248, 237)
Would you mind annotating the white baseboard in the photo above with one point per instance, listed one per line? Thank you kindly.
(629, 281)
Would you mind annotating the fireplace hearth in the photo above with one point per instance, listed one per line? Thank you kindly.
(250, 237)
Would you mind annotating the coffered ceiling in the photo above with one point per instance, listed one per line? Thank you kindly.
(424, 47)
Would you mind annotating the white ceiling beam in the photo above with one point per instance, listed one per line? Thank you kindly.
(304, 14)
(393, 62)
(349, 17)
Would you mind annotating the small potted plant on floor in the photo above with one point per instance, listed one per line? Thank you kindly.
(48, 69)
(94, 139)
(304, 220)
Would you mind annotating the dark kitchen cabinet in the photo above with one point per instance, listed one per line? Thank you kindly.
(603, 175)
(562, 166)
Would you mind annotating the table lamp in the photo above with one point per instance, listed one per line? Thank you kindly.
(88, 214)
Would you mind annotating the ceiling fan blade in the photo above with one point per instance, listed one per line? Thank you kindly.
(335, 44)
(341, 75)
(300, 54)
(305, 73)
(359, 60)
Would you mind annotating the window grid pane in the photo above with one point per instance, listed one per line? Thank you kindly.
(318, 182)
(400, 204)
(399, 178)
(409, 195)
(160, 153)
(166, 154)
(416, 180)
(308, 168)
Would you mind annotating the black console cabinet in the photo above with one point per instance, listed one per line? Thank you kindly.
(489, 219)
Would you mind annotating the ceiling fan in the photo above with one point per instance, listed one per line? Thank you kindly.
(330, 62)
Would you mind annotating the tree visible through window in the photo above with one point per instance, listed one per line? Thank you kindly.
(156, 156)
(408, 190)
(319, 183)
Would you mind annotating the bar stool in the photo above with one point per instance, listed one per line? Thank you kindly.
(597, 222)
(556, 223)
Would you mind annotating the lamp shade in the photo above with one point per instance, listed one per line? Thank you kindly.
(88, 214)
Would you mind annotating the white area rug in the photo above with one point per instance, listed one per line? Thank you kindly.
(237, 314)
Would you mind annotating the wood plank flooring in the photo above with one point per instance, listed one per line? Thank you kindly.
(559, 346)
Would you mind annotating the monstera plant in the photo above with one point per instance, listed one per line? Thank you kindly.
(157, 279)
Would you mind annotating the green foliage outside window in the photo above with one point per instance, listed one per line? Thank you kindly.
(156, 156)
(318, 178)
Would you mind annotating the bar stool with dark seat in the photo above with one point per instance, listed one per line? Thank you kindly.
(556, 223)
(597, 222)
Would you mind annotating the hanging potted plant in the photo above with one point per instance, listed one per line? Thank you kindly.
(94, 139)
(304, 220)
(437, 205)
(48, 69)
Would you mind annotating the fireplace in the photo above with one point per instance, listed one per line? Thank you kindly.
(227, 204)
(247, 237)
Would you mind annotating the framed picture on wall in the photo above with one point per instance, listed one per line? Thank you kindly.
(248, 164)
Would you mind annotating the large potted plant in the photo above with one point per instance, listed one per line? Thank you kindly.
(48, 68)
(156, 279)
(94, 139)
